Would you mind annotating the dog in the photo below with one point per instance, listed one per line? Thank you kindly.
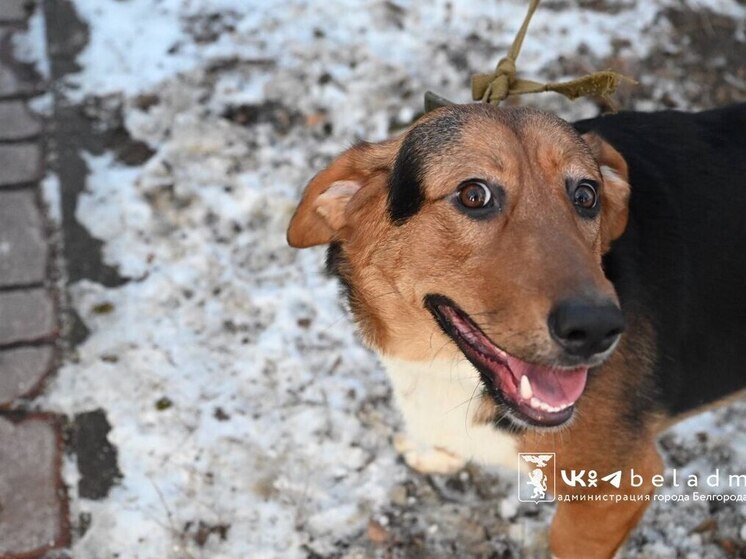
(581, 283)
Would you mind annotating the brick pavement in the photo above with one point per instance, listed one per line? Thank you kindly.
(33, 503)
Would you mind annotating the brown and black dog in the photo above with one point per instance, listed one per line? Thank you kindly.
(592, 275)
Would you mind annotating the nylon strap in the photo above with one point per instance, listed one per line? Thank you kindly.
(497, 86)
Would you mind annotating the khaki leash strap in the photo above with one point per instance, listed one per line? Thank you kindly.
(495, 87)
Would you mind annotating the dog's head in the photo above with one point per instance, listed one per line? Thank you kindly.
(480, 232)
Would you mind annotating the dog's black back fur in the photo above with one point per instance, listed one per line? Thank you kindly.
(682, 259)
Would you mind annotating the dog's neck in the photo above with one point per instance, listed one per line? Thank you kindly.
(440, 401)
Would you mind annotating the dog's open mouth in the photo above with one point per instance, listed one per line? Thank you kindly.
(537, 394)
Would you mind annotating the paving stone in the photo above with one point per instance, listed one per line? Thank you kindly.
(11, 85)
(17, 122)
(32, 510)
(22, 369)
(12, 11)
(19, 163)
(26, 316)
(23, 248)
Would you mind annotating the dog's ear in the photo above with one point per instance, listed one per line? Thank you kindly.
(321, 214)
(615, 201)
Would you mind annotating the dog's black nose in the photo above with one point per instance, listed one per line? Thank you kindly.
(584, 328)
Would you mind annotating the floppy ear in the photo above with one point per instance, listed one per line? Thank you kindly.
(615, 201)
(321, 213)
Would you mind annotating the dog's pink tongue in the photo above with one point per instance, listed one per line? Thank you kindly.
(556, 387)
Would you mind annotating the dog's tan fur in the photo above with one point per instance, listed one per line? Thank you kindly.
(390, 276)
(507, 272)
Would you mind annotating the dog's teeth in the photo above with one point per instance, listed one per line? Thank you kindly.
(537, 404)
(526, 390)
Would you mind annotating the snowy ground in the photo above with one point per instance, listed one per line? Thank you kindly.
(248, 419)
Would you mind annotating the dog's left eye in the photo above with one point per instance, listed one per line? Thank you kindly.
(585, 197)
(474, 195)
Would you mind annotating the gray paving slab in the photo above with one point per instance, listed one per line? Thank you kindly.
(17, 122)
(22, 369)
(13, 11)
(26, 315)
(20, 163)
(23, 246)
(11, 85)
(32, 507)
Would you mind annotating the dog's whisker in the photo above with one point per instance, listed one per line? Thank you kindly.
(466, 417)
(465, 402)
(448, 341)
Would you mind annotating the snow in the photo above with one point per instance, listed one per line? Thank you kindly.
(277, 421)
(50, 193)
(156, 43)
(30, 47)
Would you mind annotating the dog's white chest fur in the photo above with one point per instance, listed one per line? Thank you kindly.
(438, 400)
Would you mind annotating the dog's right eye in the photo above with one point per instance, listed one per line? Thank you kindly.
(474, 195)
